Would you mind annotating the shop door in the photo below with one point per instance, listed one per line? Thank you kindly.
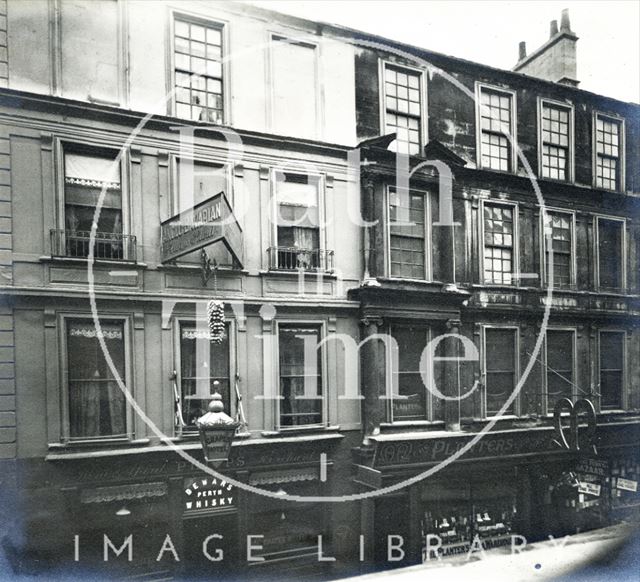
(210, 546)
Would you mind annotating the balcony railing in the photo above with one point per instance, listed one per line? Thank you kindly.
(296, 259)
(107, 246)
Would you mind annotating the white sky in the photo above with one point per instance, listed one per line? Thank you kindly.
(489, 31)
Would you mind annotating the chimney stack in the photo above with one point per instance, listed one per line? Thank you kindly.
(555, 60)
(522, 50)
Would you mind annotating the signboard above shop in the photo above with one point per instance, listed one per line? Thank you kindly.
(208, 222)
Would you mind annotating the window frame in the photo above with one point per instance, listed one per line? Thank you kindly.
(517, 372)
(622, 145)
(574, 368)
(64, 145)
(543, 248)
(63, 382)
(324, 422)
(624, 396)
(424, 106)
(623, 253)
(319, 91)
(389, 377)
(513, 143)
(195, 18)
(515, 282)
(178, 322)
(428, 260)
(569, 107)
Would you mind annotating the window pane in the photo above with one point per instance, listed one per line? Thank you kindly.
(559, 228)
(500, 362)
(199, 181)
(407, 239)
(403, 109)
(96, 403)
(498, 244)
(610, 253)
(607, 153)
(496, 126)
(202, 363)
(611, 369)
(299, 406)
(411, 341)
(560, 358)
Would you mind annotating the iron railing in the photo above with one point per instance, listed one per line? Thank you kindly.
(295, 259)
(107, 246)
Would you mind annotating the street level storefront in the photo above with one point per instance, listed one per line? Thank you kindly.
(155, 512)
(515, 482)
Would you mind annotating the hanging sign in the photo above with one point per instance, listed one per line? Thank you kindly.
(208, 222)
(626, 484)
(589, 488)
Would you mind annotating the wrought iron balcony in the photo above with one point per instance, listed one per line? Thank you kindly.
(296, 259)
(107, 246)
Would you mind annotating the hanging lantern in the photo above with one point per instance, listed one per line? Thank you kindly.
(215, 312)
(217, 430)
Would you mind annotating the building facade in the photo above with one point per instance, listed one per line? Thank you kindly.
(135, 114)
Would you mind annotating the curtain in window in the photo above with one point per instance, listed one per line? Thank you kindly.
(96, 403)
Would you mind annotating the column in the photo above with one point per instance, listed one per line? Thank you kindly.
(372, 358)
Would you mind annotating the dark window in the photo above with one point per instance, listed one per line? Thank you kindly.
(202, 363)
(560, 358)
(298, 408)
(611, 369)
(608, 153)
(500, 361)
(403, 108)
(298, 222)
(411, 342)
(610, 254)
(198, 71)
(498, 244)
(496, 128)
(559, 229)
(86, 176)
(555, 142)
(407, 234)
(96, 403)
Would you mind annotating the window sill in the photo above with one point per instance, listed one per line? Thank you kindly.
(83, 261)
(73, 448)
(288, 273)
(300, 431)
(412, 424)
(220, 271)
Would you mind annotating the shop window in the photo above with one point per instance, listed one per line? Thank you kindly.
(499, 244)
(198, 73)
(497, 129)
(407, 234)
(560, 358)
(559, 238)
(96, 405)
(300, 407)
(204, 369)
(609, 153)
(403, 108)
(86, 176)
(298, 236)
(610, 254)
(501, 371)
(407, 380)
(556, 136)
(611, 369)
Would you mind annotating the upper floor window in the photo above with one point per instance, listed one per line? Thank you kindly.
(559, 239)
(96, 404)
(609, 152)
(612, 346)
(198, 181)
(497, 129)
(297, 224)
(501, 368)
(198, 71)
(559, 360)
(407, 234)
(556, 141)
(204, 369)
(499, 244)
(610, 252)
(403, 108)
(87, 174)
(301, 381)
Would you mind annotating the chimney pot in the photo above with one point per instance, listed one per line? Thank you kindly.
(553, 28)
(565, 23)
(522, 50)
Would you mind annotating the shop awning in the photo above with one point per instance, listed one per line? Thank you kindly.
(285, 476)
(123, 492)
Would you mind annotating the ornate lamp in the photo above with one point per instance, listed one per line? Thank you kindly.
(217, 430)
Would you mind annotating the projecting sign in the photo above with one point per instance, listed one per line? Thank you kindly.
(589, 488)
(207, 493)
(626, 484)
(208, 222)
